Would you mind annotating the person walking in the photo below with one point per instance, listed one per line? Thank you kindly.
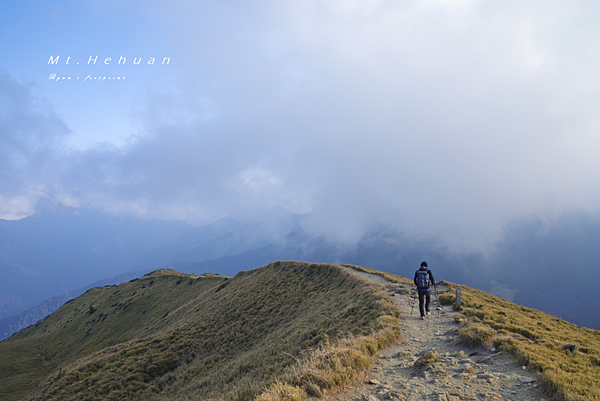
(423, 280)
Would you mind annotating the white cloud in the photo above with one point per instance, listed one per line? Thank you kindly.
(449, 117)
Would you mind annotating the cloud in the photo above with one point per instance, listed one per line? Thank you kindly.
(449, 117)
(30, 137)
(441, 117)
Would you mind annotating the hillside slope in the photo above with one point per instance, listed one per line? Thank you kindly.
(486, 348)
(12, 324)
(174, 336)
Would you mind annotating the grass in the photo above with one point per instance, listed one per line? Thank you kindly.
(393, 278)
(446, 299)
(429, 358)
(283, 391)
(286, 331)
(536, 339)
(100, 318)
(170, 336)
(475, 334)
(332, 366)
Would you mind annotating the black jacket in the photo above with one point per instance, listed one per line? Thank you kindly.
(431, 279)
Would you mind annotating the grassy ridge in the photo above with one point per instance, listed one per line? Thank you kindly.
(537, 340)
(99, 318)
(170, 336)
(393, 278)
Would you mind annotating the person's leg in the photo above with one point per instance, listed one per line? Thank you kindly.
(421, 301)
(427, 300)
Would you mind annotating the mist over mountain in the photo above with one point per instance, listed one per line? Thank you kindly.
(60, 249)
(234, 234)
(552, 266)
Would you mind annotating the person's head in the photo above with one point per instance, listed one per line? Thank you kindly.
(423, 265)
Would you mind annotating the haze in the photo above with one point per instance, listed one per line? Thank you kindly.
(451, 119)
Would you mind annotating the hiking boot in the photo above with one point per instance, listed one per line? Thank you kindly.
(422, 317)
(428, 313)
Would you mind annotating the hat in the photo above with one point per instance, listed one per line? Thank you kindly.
(424, 264)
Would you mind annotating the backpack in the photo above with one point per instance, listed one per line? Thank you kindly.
(422, 279)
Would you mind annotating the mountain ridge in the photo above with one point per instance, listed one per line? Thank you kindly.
(287, 327)
(12, 324)
(167, 326)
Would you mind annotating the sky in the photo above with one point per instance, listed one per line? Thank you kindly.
(446, 118)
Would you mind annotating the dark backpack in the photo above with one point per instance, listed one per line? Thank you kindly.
(422, 279)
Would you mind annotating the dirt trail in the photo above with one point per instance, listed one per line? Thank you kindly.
(462, 373)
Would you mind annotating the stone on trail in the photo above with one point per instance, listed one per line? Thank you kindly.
(374, 382)
(394, 395)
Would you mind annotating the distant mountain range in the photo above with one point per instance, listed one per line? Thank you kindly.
(60, 249)
(553, 268)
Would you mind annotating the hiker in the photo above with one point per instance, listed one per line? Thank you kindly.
(423, 279)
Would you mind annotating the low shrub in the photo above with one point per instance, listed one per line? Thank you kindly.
(469, 312)
(504, 343)
(446, 299)
(429, 358)
(474, 334)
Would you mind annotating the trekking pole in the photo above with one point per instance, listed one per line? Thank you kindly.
(412, 302)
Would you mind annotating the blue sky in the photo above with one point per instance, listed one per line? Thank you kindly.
(34, 31)
(442, 117)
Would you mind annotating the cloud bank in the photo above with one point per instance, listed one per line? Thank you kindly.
(445, 118)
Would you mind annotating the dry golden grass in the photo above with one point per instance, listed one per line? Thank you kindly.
(475, 334)
(329, 368)
(536, 339)
(393, 278)
(429, 358)
(170, 336)
(283, 391)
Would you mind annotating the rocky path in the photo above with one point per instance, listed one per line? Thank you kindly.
(461, 373)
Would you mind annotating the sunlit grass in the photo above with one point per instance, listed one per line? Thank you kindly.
(170, 336)
(536, 339)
